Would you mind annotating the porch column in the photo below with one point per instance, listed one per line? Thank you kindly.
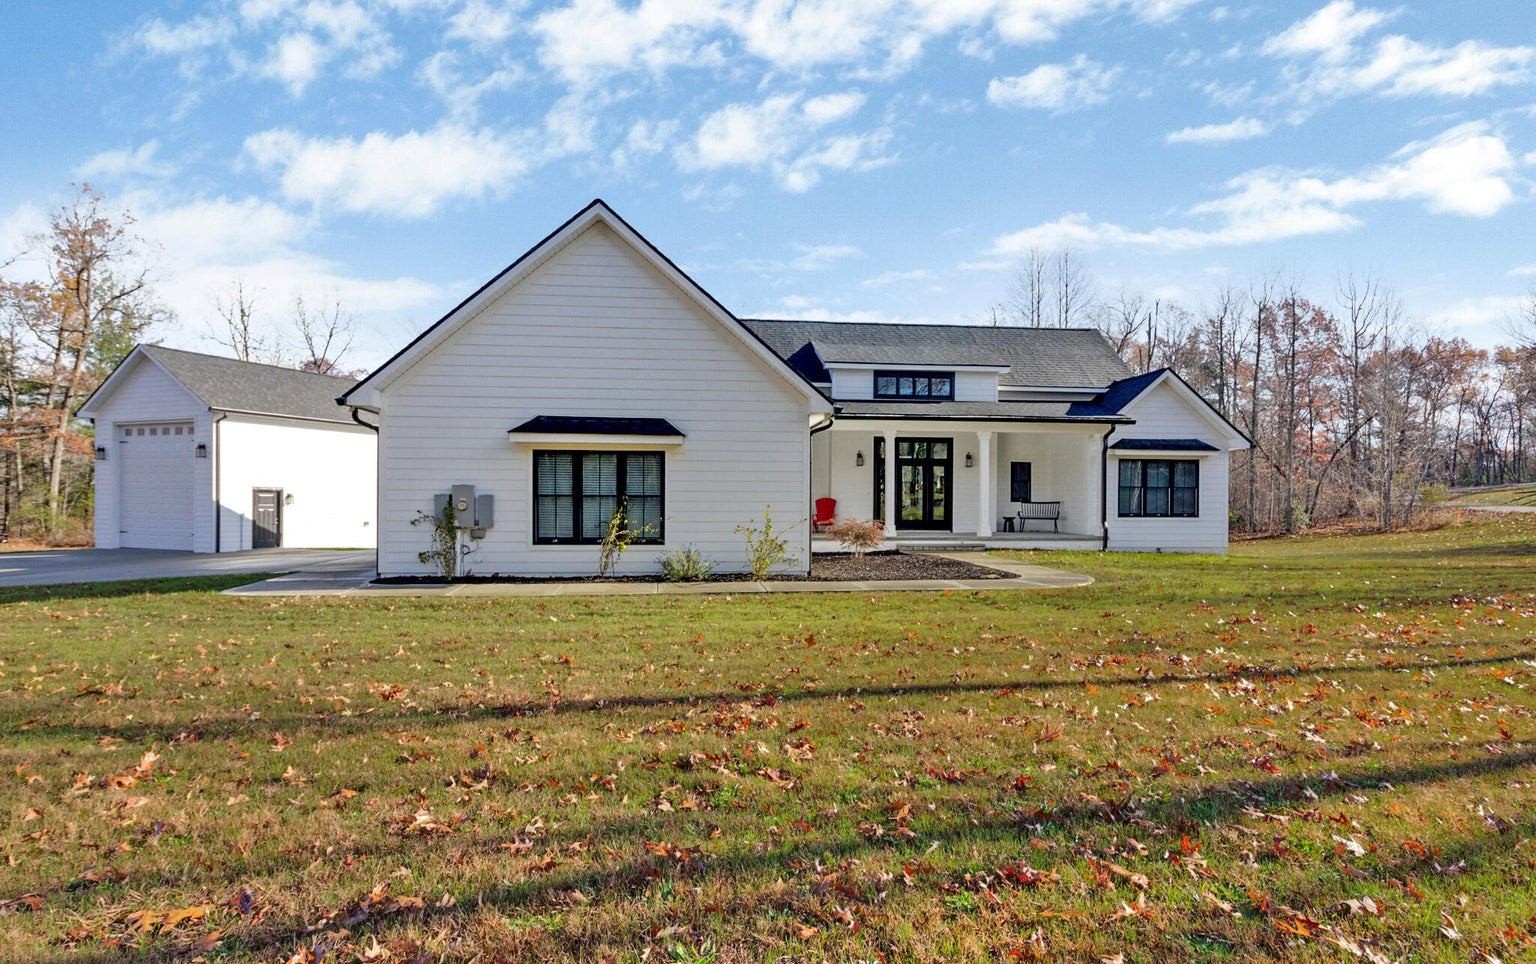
(890, 483)
(986, 474)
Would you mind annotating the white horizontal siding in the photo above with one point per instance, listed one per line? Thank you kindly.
(858, 384)
(328, 470)
(146, 394)
(1163, 413)
(593, 331)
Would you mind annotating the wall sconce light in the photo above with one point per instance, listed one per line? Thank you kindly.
(858, 457)
(288, 498)
(968, 462)
(101, 453)
(201, 450)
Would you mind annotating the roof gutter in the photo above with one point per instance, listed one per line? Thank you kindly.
(378, 481)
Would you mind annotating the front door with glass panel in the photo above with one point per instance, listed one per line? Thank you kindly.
(924, 469)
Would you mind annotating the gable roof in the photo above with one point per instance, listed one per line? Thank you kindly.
(1035, 357)
(596, 211)
(231, 385)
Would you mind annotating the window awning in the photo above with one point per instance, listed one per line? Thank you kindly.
(1163, 445)
(597, 430)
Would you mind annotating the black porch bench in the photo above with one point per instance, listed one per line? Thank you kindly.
(1034, 511)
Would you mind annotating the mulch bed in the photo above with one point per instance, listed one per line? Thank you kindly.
(885, 566)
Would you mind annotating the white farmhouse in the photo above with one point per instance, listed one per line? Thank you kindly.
(210, 454)
(593, 372)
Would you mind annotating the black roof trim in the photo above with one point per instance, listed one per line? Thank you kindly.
(1165, 445)
(1062, 419)
(598, 425)
(594, 203)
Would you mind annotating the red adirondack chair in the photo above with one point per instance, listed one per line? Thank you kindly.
(826, 514)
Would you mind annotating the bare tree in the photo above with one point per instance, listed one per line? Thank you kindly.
(1119, 321)
(241, 330)
(1074, 289)
(326, 334)
(1028, 291)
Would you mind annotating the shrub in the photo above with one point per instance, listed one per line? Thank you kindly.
(858, 536)
(1434, 494)
(686, 565)
(616, 538)
(766, 547)
(444, 551)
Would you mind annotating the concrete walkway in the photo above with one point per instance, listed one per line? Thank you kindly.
(48, 567)
(355, 583)
(1517, 509)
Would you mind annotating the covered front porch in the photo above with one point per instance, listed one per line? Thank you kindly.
(945, 483)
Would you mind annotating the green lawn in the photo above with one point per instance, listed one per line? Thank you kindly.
(1513, 495)
(1313, 749)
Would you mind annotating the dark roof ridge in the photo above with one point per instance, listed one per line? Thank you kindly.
(917, 324)
(243, 361)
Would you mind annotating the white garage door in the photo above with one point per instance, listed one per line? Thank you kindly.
(155, 487)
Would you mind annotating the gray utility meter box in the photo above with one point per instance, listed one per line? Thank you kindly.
(470, 511)
(464, 505)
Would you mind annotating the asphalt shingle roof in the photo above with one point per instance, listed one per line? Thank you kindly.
(231, 385)
(1039, 357)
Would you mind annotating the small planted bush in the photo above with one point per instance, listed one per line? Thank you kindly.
(686, 565)
(444, 551)
(616, 538)
(767, 548)
(858, 536)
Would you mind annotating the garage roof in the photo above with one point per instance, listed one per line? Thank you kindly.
(231, 385)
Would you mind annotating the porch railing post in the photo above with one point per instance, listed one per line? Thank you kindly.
(986, 475)
(890, 483)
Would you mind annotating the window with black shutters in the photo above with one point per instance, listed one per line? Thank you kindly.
(1160, 487)
(575, 495)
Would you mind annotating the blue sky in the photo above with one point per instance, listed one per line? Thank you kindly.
(859, 159)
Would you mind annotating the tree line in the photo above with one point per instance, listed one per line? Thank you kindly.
(73, 303)
(1358, 411)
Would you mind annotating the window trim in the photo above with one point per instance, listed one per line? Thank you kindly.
(1141, 488)
(899, 373)
(620, 483)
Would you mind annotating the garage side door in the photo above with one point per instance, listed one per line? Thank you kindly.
(155, 485)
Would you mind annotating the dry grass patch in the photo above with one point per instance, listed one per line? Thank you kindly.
(1314, 748)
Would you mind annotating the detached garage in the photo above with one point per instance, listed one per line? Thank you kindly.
(209, 454)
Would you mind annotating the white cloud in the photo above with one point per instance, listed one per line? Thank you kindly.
(1331, 43)
(410, 175)
(295, 60)
(814, 257)
(591, 38)
(1057, 88)
(1330, 33)
(174, 40)
(897, 277)
(1487, 310)
(1523, 271)
(125, 162)
(782, 133)
(833, 107)
(482, 23)
(441, 74)
(199, 246)
(1467, 170)
(644, 139)
(1241, 129)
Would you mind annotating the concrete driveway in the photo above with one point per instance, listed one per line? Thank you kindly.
(50, 567)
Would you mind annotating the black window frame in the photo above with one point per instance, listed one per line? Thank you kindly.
(914, 377)
(621, 470)
(1135, 494)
